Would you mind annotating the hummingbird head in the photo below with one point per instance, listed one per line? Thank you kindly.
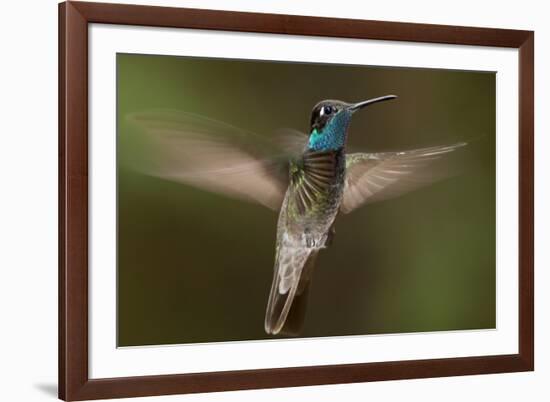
(330, 120)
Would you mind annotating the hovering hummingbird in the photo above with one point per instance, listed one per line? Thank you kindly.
(308, 179)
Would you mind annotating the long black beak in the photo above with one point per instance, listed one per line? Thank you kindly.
(360, 105)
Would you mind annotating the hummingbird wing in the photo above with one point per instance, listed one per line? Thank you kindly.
(292, 141)
(372, 177)
(208, 154)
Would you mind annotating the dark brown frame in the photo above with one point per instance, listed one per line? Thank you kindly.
(74, 382)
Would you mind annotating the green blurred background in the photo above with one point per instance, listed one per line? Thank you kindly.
(197, 267)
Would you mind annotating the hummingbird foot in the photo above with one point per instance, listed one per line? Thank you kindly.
(309, 240)
(314, 241)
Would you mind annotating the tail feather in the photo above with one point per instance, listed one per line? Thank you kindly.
(286, 311)
(295, 319)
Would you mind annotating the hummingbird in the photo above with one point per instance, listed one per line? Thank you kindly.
(308, 178)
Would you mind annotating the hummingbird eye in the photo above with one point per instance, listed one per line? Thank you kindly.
(327, 109)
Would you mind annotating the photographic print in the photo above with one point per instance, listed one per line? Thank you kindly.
(252, 200)
(267, 199)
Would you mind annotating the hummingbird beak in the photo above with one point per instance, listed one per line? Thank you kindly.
(360, 105)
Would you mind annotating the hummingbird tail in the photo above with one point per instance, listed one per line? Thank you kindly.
(286, 309)
(295, 319)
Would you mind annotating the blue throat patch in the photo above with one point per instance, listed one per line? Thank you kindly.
(333, 135)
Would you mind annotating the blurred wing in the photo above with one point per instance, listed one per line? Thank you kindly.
(291, 141)
(208, 154)
(372, 177)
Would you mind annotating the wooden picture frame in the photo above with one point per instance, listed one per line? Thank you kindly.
(74, 381)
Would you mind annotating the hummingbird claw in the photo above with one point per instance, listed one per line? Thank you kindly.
(309, 240)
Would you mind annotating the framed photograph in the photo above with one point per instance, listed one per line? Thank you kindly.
(258, 201)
